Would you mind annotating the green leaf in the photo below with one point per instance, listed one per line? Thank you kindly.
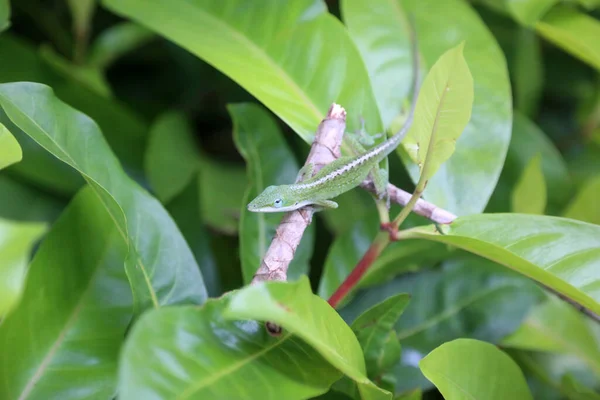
(269, 162)
(199, 355)
(469, 297)
(528, 12)
(63, 339)
(527, 141)
(124, 131)
(464, 183)
(560, 253)
(442, 112)
(555, 326)
(374, 329)
(26, 203)
(82, 12)
(528, 71)
(16, 243)
(529, 194)
(172, 158)
(185, 210)
(469, 369)
(325, 67)
(381, 32)
(117, 41)
(157, 277)
(586, 204)
(294, 307)
(4, 14)
(576, 391)
(412, 395)
(349, 247)
(10, 151)
(573, 31)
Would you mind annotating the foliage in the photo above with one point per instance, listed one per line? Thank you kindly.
(134, 133)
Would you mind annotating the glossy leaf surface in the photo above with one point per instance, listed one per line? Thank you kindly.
(442, 112)
(10, 151)
(16, 244)
(156, 277)
(325, 66)
(529, 195)
(574, 32)
(467, 369)
(294, 307)
(560, 253)
(269, 162)
(381, 32)
(63, 339)
(464, 183)
(200, 355)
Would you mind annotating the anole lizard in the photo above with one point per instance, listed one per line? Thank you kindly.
(337, 177)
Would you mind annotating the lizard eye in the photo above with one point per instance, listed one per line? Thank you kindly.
(278, 203)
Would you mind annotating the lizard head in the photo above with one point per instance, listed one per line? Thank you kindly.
(274, 199)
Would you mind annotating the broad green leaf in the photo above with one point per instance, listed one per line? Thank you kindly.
(63, 339)
(576, 391)
(196, 354)
(21, 202)
(294, 307)
(10, 151)
(269, 162)
(528, 12)
(124, 131)
(160, 265)
(374, 330)
(16, 244)
(442, 112)
(555, 326)
(529, 194)
(528, 140)
(465, 183)
(117, 41)
(573, 31)
(4, 14)
(185, 210)
(354, 205)
(296, 62)
(467, 369)
(469, 297)
(172, 158)
(528, 71)
(381, 32)
(349, 247)
(586, 204)
(560, 253)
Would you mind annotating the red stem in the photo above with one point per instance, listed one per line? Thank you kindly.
(380, 242)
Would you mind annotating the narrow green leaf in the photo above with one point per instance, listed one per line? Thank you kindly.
(562, 254)
(172, 158)
(16, 243)
(294, 307)
(374, 329)
(63, 339)
(586, 204)
(4, 14)
(381, 33)
(529, 194)
(325, 68)
(168, 276)
(198, 355)
(117, 41)
(469, 297)
(528, 12)
(528, 140)
(555, 326)
(573, 31)
(10, 151)
(467, 369)
(576, 391)
(466, 181)
(269, 162)
(442, 112)
(528, 71)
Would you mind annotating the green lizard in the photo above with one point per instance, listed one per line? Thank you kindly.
(339, 176)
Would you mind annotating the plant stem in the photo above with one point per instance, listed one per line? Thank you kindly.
(379, 244)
